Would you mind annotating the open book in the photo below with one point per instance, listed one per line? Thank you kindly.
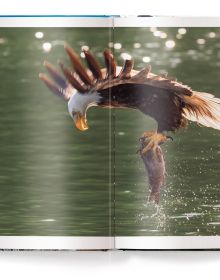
(109, 133)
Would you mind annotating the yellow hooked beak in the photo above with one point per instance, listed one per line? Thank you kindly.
(80, 122)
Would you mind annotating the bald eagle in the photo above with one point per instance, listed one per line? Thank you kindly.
(169, 102)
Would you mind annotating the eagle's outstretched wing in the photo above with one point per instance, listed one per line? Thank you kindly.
(170, 103)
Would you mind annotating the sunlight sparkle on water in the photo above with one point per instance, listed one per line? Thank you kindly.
(39, 35)
(200, 41)
(137, 45)
(85, 48)
(121, 133)
(2, 40)
(117, 46)
(179, 36)
(146, 59)
(153, 29)
(170, 44)
(214, 223)
(157, 33)
(182, 31)
(163, 35)
(46, 46)
(212, 35)
(110, 44)
(126, 56)
(47, 220)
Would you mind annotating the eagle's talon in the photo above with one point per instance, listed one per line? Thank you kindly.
(150, 146)
(151, 140)
(169, 137)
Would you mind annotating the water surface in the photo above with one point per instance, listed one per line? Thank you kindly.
(190, 202)
(55, 180)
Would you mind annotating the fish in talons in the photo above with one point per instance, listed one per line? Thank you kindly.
(153, 158)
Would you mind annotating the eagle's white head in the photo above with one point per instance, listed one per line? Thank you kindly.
(81, 86)
(78, 104)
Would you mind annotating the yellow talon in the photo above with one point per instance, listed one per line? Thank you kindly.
(151, 140)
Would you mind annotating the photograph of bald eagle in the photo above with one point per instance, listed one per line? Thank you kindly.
(170, 103)
(110, 131)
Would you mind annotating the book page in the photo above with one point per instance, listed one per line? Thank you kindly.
(55, 178)
(168, 197)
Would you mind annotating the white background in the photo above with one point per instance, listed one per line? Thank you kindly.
(110, 265)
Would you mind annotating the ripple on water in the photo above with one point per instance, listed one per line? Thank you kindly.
(48, 220)
(186, 216)
(149, 230)
(210, 206)
(121, 133)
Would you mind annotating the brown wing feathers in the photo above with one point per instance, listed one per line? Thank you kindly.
(110, 64)
(142, 75)
(78, 66)
(203, 108)
(80, 79)
(93, 65)
(83, 82)
(126, 69)
(52, 86)
(55, 75)
(72, 78)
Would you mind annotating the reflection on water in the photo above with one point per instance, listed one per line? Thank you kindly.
(55, 180)
(190, 203)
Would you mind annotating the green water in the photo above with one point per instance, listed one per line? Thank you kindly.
(190, 202)
(56, 180)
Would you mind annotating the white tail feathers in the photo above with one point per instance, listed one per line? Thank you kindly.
(203, 108)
